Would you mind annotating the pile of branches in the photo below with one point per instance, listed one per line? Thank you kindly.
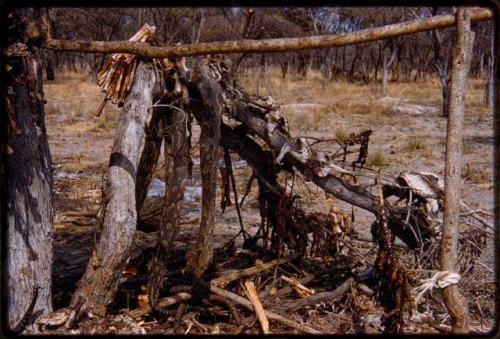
(253, 128)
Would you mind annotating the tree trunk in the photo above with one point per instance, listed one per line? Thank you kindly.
(98, 285)
(176, 170)
(29, 235)
(386, 66)
(445, 88)
(49, 69)
(489, 95)
(205, 95)
(455, 302)
(325, 68)
(149, 156)
(72, 251)
(481, 66)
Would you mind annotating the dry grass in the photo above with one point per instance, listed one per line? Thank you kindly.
(342, 97)
(75, 97)
(475, 174)
(377, 158)
(415, 144)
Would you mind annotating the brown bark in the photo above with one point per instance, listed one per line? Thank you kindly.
(205, 96)
(265, 45)
(455, 302)
(149, 156)
(98, 285)
(29, 233)
(175, 175)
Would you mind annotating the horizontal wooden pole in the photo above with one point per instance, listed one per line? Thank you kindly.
(265, 45)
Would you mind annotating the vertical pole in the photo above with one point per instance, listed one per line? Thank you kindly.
(454, 301)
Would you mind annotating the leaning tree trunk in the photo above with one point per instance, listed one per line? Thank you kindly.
(205, 95)
(455, 302)
(98, 285)
(29, 234)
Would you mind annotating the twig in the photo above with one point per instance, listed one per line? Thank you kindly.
(270, 315)
(480, 263)
(319, 297)
(232, 275)
(257, 306)
(298, 287)
(164, 302)
(475, 216)
(229, 167)
(247, 188)
(307, 279)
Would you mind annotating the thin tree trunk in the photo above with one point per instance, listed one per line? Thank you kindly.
(176, 170)
(206, 107)
(387, 65)
(455, 302)
(489, 95)
(440, 64)
(98, 285)
(149, 156)
(29, 235)
(325, 68)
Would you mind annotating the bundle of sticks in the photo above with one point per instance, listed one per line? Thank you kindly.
(117, 75)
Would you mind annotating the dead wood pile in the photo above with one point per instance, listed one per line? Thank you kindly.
(311, 257)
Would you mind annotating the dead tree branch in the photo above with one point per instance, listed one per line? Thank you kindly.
(265, 45)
